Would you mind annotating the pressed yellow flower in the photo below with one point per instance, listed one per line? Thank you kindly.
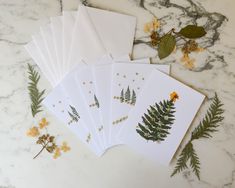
(65, 147)
(174, 96)
(57, 153)
(33, 132)
(152, 26)
(43, 123)
(155, 24)
(147, 27)
(200, 49)
(188, 62)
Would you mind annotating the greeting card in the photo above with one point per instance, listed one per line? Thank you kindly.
(162, 114)
(61, 105)
(127, 81)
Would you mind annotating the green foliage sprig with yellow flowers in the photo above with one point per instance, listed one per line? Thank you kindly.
(166, 43)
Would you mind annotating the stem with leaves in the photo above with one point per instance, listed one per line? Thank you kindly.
(206, 127)
(36, 96)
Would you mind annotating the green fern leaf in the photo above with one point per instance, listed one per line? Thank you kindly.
(183, 159)
(157, 122)
(206, 127)
(211, 120)
(36, 96)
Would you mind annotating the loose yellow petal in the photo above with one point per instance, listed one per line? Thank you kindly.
(43, 123)
(147, 28)
(155, 24)
(33, 132)
(57, 153)
(185, 58)
(65, 147)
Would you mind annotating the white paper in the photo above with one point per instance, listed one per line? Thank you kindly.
(57, 36)
(33, 51)
(98, 32)
(115, 30)
(85, 80)
(68, 20)
(59, 103)
(158, 87)
(127, 79)
(47, 36)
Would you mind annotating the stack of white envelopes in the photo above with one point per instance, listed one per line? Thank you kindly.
(101, 95)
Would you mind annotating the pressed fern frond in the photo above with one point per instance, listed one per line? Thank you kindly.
(211, 120)
(206, 127)
(194, 162)
(183, 159)
(36, 96)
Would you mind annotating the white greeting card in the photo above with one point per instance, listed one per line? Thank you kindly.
(85, 80)
(162, 114)
(59, 103)
(77, 89)
(127, 81)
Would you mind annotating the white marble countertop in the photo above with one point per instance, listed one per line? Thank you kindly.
(119, 167)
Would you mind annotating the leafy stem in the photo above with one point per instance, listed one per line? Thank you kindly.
(206, 127)
(36, 96)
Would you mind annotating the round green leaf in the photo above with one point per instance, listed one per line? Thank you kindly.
(166, 46)
(192, 31)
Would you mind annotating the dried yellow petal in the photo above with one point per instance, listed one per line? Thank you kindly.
(57, 153)
(43, 123)
(65, 147)
(33, 132)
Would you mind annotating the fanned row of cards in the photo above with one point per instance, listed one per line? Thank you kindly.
(101, 95)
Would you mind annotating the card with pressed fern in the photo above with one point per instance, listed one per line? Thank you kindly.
(161, 117)
(158, 120)
(127, 81)
(63, 103)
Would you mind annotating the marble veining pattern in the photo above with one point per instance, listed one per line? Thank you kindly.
(120, 167)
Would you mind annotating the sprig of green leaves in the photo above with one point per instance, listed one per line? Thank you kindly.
(36, 96)
(166, 43)
(206, 127)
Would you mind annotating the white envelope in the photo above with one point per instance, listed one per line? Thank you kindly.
(57, 36)
(68, 20)
(34, 52)
(98, 32)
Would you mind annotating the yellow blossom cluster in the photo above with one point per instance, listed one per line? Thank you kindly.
(152, 26)
(35, 132)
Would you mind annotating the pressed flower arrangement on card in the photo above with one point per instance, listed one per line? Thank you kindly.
(107, 99)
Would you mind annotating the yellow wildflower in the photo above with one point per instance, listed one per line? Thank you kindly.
(43, 123)
(155, 24)
(200, 49)
(65, 147)
(33, 132)
(188, 62)
(174, 96)
(147, 27)
(152, 26)
(57, 153)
